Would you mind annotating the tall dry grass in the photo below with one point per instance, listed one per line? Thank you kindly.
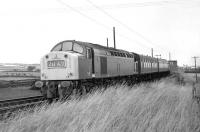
(162, 106)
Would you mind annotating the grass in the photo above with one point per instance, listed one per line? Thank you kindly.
(162, 106)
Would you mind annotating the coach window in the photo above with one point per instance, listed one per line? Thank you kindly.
(111, 53)
(147, 64)
(124, 54)
(77, 48)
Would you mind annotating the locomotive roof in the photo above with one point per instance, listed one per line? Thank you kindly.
(97, 46)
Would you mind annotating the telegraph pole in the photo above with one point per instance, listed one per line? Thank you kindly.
(195, 63)
(107, 41)
(157, 61)
(169, 56)
(151, 52)
(114, 37)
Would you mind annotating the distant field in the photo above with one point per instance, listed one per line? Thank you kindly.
(19, 74)
(163, 106)
(14, 78)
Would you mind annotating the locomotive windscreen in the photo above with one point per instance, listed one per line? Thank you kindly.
(68, 46)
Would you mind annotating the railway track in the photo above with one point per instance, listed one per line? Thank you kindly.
(8, 107)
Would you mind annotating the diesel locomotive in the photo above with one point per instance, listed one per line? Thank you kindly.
(75, 65)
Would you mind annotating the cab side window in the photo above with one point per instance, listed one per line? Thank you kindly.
(88, 53)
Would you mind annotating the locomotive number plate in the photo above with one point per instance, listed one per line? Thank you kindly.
(56, 64)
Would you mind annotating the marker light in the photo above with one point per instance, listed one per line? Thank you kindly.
(65, 56)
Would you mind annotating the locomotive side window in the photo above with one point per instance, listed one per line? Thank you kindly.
(89, 53)
(77, 48)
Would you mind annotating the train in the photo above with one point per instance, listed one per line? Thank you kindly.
(77, 66)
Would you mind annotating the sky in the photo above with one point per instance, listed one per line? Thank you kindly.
(30, 28)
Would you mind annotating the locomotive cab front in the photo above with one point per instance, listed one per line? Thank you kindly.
(62, 62)
(66, 64)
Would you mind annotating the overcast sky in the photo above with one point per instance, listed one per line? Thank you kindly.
(30, 28)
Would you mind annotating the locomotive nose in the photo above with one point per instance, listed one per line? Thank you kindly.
(55, 61)
(59, 66)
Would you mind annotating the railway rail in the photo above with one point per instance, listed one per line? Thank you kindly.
(7, 107)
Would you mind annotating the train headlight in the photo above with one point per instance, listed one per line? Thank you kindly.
(46, 56)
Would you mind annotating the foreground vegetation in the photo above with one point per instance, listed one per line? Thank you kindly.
(162, 106)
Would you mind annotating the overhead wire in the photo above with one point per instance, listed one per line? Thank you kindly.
(82, 14)
(97, 22)
(144, 4)
(126, 5)
(151, 3)
(126, 26)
